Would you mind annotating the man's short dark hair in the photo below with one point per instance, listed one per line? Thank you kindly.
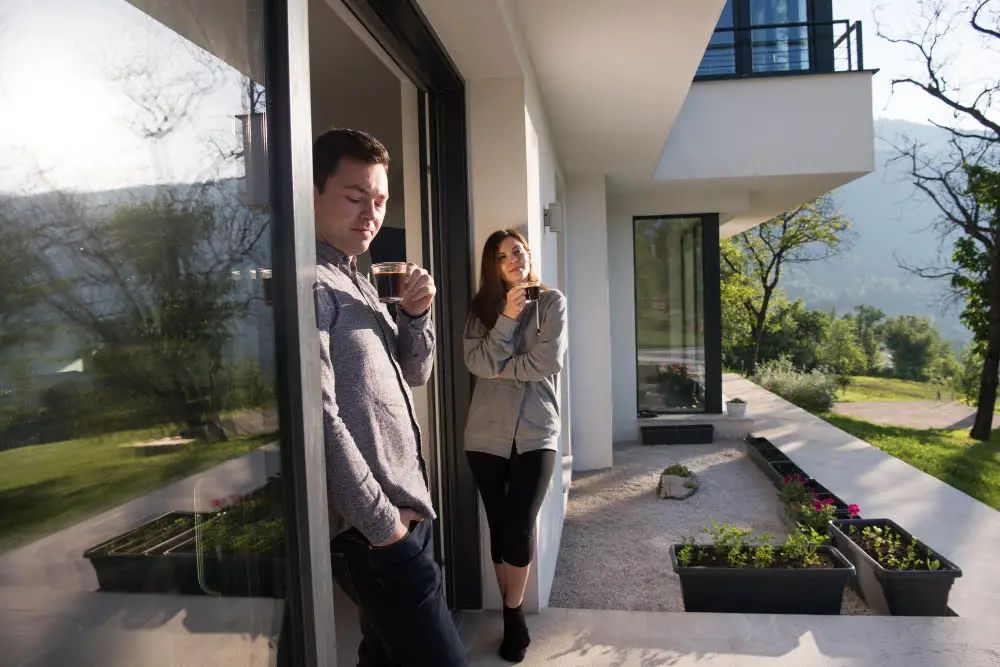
(334, 145)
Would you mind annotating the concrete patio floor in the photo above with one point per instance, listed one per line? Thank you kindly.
(53, 620)
(587, 638)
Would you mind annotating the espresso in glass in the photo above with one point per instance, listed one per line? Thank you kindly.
(389, 280)
(532, 290)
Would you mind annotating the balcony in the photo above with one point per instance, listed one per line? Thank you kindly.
(753, 138)
(781, 49)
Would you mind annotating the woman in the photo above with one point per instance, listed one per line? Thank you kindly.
(515, 347)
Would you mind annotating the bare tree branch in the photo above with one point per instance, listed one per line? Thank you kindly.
(977, 26)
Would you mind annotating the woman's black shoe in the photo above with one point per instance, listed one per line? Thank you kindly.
(515, 634)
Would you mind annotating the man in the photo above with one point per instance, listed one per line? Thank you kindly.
(380, 507)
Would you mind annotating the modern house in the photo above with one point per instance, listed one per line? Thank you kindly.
(624, 138)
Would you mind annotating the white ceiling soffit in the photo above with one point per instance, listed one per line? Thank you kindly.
(229, 29)
(614, 75)
(475, 35)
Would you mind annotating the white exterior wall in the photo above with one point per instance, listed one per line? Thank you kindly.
(621, 286)
(589, 320)
(778, 126)
(513, 176)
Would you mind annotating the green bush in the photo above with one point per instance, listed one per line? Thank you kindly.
(814, 390)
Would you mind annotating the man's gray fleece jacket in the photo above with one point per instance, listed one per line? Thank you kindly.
(368, 364)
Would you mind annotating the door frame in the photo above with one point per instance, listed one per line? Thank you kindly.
(404, 33)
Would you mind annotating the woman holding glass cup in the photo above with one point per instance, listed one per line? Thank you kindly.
(515, 341)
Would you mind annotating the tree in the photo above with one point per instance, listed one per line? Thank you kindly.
(149, 288)
(811, 232)
(736, 288)
(20, 276)
(868, 321)
(795, 333)
(914, 343)
(842, 352)
(963, 183)
(965, 382)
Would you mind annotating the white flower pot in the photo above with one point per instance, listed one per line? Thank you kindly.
(737, 410)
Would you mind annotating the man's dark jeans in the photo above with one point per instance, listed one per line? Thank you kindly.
(400, 596)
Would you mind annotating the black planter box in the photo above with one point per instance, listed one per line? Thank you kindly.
(678, 434)
(900, 593)
(783, 469)
(816, 487)
(765, 591)
(124, 563)
(167, 561)
(229, 575)
(759, 458)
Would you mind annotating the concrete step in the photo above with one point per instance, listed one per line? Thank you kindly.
(592, 638)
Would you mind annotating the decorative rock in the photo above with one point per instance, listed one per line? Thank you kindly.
(676, 487)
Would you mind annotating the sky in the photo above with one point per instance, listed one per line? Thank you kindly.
(970, 60)
(78, 81)
(67, 121)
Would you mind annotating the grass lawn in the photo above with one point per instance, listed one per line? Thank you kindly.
(45, 488)
(865, 388)
(951, 456)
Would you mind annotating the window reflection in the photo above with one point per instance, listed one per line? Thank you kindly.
(138, 426)
(720, 56)
(669, 315)
(779, 49)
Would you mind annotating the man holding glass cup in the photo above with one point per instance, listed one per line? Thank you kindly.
(380, 506)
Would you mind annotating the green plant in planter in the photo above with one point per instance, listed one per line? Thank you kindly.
(888, 548)
(805, 507)
(801, 546)
(161, 530)
(689, 554)
(735, 548)
(672, 377)
(763, 553)
(678, 470)
(736, 400)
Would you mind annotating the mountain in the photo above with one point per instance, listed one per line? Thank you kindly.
(892, 223)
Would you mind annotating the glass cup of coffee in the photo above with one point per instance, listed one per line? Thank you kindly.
(532, 290)
(389, 280)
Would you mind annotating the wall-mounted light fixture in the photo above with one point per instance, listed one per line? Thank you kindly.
(553, 217)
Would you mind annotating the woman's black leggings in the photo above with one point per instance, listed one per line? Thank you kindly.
(512, 489)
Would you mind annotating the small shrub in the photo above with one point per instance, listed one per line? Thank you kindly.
(678, 470)
(814, 390)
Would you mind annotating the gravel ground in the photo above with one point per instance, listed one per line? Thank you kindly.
(616, 539)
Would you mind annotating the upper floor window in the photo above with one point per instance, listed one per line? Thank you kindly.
(762, 37)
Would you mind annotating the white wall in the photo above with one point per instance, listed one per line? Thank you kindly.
(589, 320)
(542, 178)
(513, 177)
(774, 126)
(621, 275)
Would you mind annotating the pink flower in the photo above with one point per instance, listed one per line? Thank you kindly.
(853, 510)
(828, 501)
(818, 506)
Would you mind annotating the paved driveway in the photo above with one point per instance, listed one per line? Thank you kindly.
(913, 414)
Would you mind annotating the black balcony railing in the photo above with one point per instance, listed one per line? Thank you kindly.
(783, 48)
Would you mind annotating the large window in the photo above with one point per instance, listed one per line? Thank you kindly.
(670, 317)
(141, 499)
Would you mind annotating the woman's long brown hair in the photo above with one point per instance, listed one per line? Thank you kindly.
(491, 297)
